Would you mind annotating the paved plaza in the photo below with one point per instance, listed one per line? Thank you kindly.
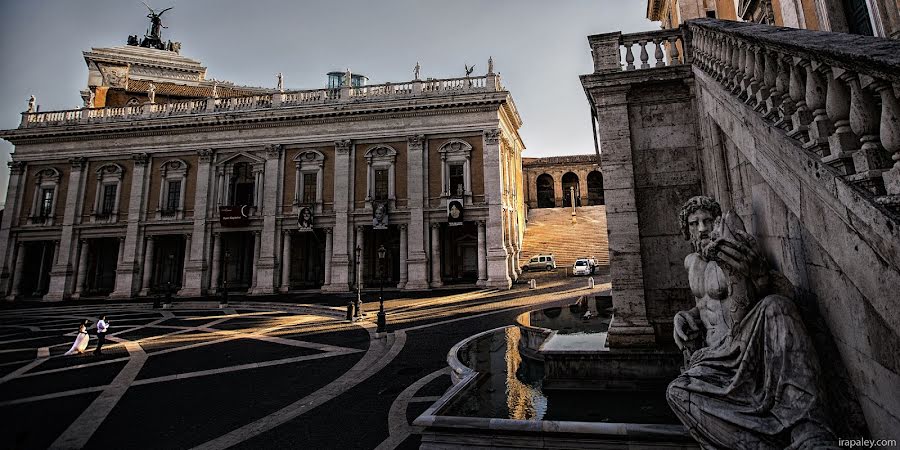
(251, 375)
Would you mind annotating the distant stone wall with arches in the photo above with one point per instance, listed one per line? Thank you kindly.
(549, 182)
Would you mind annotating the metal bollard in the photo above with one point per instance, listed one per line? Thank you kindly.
(532, 284)
(591, 283)
(350, 310)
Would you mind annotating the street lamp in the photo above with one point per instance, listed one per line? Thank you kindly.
(382, 320)
(224, 289)
(171, 258)
(358, 307)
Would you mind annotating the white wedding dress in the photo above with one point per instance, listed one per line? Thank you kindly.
(81, 342)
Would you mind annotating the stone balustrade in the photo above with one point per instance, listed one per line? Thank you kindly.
(835, 93)
(386, 91)
(616, 51)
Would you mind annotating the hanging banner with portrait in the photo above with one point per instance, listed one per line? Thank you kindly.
(305, 219)
(379, 216)
(455, 212)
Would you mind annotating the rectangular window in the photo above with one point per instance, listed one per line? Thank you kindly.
(46, 206)
(108, 199)
(457, 180)
(309, 188)
(173, 195)
(381, 184)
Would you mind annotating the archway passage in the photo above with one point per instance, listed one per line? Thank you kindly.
(595, 188)
(545, 195)
(569, 181)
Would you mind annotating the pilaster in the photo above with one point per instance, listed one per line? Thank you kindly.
(125, 273)
(340, 257)
(61, 276)
(195, 267)
(11, 214)
(265, 264)
(497, 255)
(417, 257)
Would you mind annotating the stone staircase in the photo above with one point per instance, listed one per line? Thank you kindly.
(550, 230)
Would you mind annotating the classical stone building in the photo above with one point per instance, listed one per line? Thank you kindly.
(798, 133)
(866, 17)
(549, 181)
(167, 179)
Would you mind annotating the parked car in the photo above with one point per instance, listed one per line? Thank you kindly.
(540, 262)
(582, 267)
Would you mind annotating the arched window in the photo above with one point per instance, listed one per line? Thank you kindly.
(545, 195)
(106, 198)
(309, 165)
(173, 179)
(239, 180)
(570, 181)
(595, 188)
(381, 160)
(43, 207)
(455, 170)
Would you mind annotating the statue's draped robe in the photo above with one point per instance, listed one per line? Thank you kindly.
(757, 388)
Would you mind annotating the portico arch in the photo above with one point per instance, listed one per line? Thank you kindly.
(595, 188)
(545, 194)
(569, 181)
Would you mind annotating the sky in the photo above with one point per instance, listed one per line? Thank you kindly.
(539, 48)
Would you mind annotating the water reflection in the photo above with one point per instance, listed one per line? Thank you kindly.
(588, 315)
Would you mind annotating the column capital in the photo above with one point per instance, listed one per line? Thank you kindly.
(435, 225)
(121, 238)
(150, 237)
(402, 227)
(16, 167)
(82, 240)
(286, 232)
(329, 230)
(482, 224)
(187, 235)
(492, 136)
(216, 234)
(78, 162)
(417, 141)
(140, 159)
(343, 146)
(205, 155)
(273, 151)
(256, 233)
(360, 228)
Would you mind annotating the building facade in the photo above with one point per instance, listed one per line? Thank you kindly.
(168, 180)
(551, 182)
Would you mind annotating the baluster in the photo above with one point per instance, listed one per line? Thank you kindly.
(769, 82)
(740, 61)
(820, 127)
(658, 53)
(748, 82)
(629, 57)
(776, 101)
(730, 59)
(765, 78)
(674, 56)
(890, 136)
(842, 143)
(644, 56)
(871, 159)
(800, 117)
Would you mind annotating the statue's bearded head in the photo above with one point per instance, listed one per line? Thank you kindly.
(697, 218)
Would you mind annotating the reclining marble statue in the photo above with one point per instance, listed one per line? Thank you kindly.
(750, 379)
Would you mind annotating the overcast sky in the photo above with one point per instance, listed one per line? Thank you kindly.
(539, 48)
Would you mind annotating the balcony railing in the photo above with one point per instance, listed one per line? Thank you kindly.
(835, 93)
(615, 52)
(490, 83)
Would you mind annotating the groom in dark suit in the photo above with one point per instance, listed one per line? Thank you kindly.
(102, 326)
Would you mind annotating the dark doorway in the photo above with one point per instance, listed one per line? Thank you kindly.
(168, 264)
(38, 260)
(545, 196)
(857, 14)
(307, 259)
(390, 267)
(595, 188)
(459, 253)
(102, 260)
(237, 259)
(569, 181)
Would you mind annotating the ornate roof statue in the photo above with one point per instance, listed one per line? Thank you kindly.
(469, 70)
(156, 25)
(416, 71)
(31, 104)
(280, 82)
(153, 37)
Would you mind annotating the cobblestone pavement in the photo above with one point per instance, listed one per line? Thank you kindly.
(251, 375)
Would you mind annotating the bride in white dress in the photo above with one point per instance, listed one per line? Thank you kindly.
(81, 340)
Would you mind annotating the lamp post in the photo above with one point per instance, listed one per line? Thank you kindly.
(224, 289)
(382, 320)
(171, 258)
(358, 305)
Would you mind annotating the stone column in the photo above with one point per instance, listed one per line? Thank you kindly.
(196, 265)
(286, 262)
(482, 256)
(497, 256)
(121, 256)
(264, 273)
(630, 327)
(11, 215)
(329, 235)
(61, 275)
(361, 245)
(340, 264)
(436, 255)
(417, 194)
(187, 260)
(404, 274)
(130, 265)
(148, 267)
(18, 270)
(81, 269)
(215, 263)
(257, 237)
